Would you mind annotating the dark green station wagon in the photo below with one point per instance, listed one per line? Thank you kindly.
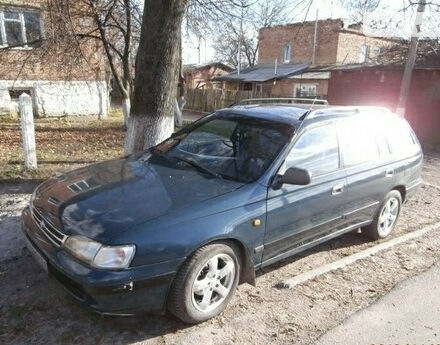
(178, 226)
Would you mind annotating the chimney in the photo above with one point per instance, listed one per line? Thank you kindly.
(356, 27)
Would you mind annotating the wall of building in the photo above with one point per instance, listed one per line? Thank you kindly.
(381, 87)
(58, 98)
(300, 37)
(202, 78)
(350, 43)
(64, 75)
(335, 45)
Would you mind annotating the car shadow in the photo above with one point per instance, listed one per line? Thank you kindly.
(19, 186)
(347, 240)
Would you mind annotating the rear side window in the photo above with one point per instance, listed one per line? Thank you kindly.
(317, 151)
(400, 139)
(358, 141)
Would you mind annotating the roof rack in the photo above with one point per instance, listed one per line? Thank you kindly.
(284, 101)
(346, 110)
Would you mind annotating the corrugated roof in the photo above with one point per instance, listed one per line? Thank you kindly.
(264, 72)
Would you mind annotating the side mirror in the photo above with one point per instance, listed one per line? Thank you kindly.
(294, 176)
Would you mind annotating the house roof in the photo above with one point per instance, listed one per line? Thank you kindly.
(264, 72)
(195, 67)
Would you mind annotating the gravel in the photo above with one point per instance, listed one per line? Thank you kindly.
(34, 309)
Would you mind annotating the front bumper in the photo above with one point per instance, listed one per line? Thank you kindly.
(124, 292)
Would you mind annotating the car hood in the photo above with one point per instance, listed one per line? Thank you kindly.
(101, 199)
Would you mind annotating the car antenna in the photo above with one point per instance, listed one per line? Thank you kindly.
(303, 117)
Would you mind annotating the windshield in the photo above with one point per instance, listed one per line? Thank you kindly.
(233, 147)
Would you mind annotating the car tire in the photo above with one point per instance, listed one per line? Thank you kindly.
(386, 218)
(205, 283)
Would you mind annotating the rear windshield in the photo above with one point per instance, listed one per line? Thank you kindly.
(239, 148)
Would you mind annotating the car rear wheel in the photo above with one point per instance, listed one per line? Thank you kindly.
(385, 220)
(205, 283)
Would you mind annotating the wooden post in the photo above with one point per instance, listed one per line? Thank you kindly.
(28, 131)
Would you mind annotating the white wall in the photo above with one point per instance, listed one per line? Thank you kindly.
(60, 98)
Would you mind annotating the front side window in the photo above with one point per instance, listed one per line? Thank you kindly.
(20, 28)
(316, 151)
(236, 148)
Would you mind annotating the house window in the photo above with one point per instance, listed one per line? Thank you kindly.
(363, 54)
(287, 52)
(20, 28)
(305, 90)
(247, 87)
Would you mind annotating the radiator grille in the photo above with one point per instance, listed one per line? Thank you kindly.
(47, 228)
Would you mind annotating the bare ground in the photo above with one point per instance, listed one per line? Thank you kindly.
(34, 309)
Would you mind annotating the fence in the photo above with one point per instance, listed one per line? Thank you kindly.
(210, 100)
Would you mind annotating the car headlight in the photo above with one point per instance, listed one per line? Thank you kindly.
(98, 255)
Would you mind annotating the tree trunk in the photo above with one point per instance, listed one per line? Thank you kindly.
(126, 105)
(157, 71)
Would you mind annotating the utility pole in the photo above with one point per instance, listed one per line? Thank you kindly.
(315, 38)
(411, 60)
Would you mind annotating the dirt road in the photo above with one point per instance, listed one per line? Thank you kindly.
(36, 309)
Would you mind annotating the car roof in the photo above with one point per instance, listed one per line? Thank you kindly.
(285, 114)
(293, 114)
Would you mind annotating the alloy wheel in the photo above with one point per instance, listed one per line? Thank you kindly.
(388, 216)
(213, 283)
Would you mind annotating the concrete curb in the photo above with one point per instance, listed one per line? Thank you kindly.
(303, 277)
(431, 185)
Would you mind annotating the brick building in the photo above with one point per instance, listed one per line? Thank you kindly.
(296, 43)
(40, 56)
(201, 76)
(380, 86)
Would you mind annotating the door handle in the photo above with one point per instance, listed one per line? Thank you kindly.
(389, 172)
(338, 189)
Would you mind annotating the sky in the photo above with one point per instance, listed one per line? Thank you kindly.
(389, 11)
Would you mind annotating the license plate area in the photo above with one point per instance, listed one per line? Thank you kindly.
(37, 256)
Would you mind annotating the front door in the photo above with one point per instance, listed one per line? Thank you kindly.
(297, 215)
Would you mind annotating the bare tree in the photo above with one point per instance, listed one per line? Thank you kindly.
(428, 53)
(158, 65)
(58, 46)
(77, 28)
(116, 24)
(358, 9)
(238, 34)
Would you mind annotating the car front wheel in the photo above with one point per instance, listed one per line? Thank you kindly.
(205, 283)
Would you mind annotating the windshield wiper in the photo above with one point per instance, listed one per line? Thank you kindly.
(199, 167)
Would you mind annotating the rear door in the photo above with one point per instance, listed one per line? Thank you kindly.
(406, 154)
(297, 215)
(369, 168)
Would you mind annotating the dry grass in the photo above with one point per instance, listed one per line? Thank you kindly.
(62, 144)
